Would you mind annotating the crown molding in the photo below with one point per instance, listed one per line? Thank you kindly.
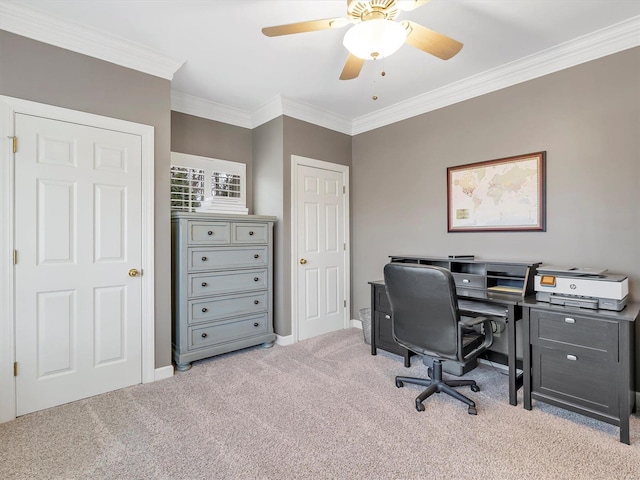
(36, 25)
(279, 105)
(317, 116)
(607, 41)
(267, 111)
(184, 103)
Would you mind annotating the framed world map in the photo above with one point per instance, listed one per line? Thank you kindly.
(507, 194)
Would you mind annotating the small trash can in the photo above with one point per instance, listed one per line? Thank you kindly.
(365, 318)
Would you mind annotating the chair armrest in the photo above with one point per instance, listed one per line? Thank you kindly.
(487, 332)
(473, 321)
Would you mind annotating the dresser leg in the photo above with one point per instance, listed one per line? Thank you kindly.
(183, 367)
(268, 344)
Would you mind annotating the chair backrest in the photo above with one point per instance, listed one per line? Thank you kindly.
(424, 308)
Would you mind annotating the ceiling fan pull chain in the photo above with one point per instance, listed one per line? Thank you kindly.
(375, 83)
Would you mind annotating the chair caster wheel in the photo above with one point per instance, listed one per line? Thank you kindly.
(473, 411)
(419, 406)
(475, 388)
(399, 383)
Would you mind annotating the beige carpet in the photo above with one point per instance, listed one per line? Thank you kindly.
(321, 409)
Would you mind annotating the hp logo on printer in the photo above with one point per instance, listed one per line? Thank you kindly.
(572, 286)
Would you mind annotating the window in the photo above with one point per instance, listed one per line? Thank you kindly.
(200, 184)
(187, 188)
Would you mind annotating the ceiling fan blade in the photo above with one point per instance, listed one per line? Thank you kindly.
(301, 27)
(431, 42)
(352, 67)
(408, 5)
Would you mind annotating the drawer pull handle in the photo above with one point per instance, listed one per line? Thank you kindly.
(256, 324)
(210, 232)
(256, 302)
(204, 284)
(204, 309)
(256, 256)
(251, 232)
(572, 357)
(204, 335)
(570, 320)
(204, 259)
(388, 317)
(465, 280)
(255, 279)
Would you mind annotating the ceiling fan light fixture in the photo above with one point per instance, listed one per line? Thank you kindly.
(375, 38)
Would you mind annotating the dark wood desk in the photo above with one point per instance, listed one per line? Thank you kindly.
(382, 337)
(581, 360)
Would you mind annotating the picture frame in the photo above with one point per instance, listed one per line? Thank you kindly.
(502, 195)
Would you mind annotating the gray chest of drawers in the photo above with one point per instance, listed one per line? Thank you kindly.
(222, 271)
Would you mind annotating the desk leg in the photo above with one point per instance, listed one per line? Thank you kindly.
(511, 354)
(374, 325)
(526, 356)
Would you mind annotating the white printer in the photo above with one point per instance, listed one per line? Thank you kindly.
(581, 287)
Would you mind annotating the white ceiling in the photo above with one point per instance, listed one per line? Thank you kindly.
(229, 64)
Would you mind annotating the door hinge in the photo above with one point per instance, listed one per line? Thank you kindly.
(345, 303)
(15, 257)
(344, 187)
(344, 247)
(15, 369)
(15, 143)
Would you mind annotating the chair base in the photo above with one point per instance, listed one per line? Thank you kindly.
(436, 384)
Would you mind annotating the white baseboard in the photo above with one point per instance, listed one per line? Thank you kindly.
(353, 323)
(163, 373)
(284, 341)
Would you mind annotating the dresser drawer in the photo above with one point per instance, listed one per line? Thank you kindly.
(215, 283)
(207, 335)
(250, 233)
(469, 280)
(226, 306)
(226, 257)
(209, 233)
(549, 328)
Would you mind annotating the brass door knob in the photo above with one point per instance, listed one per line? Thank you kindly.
(302, 261)
(134, 272)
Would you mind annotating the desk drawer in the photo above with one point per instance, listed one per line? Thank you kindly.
(210, 233)
(555, 328)
(207, 335)
(227, 282)
(469, 280)
(381, 301)
(227, 257)
(580, 377)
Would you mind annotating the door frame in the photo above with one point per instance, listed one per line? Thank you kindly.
(9, 107)
(297, 161)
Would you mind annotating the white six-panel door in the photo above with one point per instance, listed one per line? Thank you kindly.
(77, 235)
(321, 246)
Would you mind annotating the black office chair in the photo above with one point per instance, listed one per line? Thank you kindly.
(426, 320)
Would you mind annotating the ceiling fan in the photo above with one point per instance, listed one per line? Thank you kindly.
(375, 33)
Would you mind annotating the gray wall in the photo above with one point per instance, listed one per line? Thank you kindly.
(43, 73)
(306, 140)
(273, 145)
(268, 190)
(208, 138)
(587, 118)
